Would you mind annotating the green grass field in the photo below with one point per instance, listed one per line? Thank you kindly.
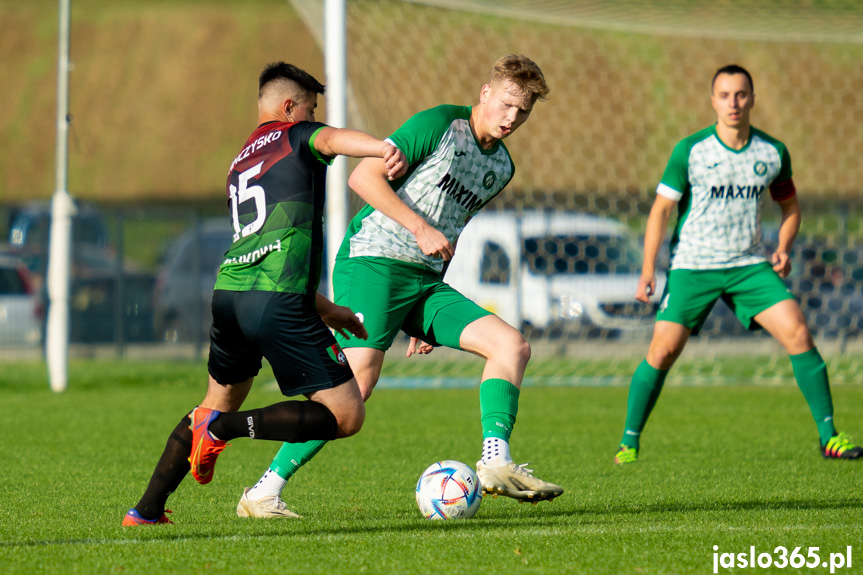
(733, 466)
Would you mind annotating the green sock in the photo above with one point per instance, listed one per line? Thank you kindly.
(498, 404)
(644, 390)
(292, 456)
(811, 374)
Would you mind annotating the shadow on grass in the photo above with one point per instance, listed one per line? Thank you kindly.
(549, 518)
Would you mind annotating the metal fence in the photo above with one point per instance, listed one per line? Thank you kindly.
(141, 280)
(143, 276)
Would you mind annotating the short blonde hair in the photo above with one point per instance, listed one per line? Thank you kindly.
(521, 71)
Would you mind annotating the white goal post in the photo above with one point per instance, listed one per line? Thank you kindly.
(62, 209)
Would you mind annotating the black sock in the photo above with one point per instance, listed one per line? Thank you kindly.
(170, 471)
(291, 421)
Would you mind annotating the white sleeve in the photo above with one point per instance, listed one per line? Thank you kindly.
(669, 192)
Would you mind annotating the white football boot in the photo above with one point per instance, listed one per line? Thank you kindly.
(516, 481)
(271, 506)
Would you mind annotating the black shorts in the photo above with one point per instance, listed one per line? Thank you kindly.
(283, 327)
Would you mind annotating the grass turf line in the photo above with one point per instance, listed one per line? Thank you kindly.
(731, 466)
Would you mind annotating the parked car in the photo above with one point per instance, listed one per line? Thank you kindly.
(30, 225)
(29, 230)
(543, 269)
(96, 318)
(20, 309)
(184, 284)
(94, 284)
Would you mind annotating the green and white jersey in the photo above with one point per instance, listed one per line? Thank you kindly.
(719, 191)
(449, 179)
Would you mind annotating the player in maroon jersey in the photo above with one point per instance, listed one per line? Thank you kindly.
(265, 302)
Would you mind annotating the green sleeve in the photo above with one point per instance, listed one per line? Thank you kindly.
(511, 167)
(676, 174)
(321, 158)
(785, 169)
(420, 135)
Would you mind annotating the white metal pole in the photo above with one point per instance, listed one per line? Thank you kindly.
(335, 56)
(62, 208)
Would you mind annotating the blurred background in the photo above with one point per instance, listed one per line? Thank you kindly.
(163, 95)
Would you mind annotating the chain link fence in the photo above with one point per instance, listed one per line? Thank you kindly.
(141, 280)
(560, 249)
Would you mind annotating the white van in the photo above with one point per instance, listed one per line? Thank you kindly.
(540, 269)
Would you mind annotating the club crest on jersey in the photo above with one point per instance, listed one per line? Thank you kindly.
(337, 355)
(760, 168)
(488, 180)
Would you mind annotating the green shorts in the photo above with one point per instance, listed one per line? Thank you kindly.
(748, 290)
(390, 295)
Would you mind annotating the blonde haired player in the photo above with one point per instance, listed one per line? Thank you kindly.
(390, 268)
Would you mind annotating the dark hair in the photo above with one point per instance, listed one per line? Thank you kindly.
(733, 69)
(284, 71)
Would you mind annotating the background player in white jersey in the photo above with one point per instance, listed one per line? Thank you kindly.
(389, 269)
(716, 178)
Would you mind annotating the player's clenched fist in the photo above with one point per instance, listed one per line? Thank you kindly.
(646, 288)
(396, 162)
(433, 243)
(781, 264)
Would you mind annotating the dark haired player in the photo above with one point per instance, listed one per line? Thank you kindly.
(265, 302)
(717, 178)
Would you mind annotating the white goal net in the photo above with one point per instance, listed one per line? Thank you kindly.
(559, 253)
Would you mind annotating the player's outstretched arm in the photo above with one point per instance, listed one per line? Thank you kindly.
(788, 228)
(340, 318)
(369, 181)
(357, 144)
(657, 223)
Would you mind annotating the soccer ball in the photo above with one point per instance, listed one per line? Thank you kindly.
(448, 490)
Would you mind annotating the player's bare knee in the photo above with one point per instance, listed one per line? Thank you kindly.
(366, 385)
(513, 347)
(523, 350)
(350, 421)
(799, 340)
(366, 381)
(662, 356)
(366, 392)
